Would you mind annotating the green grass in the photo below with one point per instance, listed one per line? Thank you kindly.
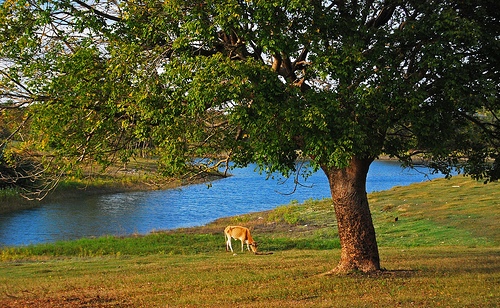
(441, 212)
(8, 192)
(442, 251)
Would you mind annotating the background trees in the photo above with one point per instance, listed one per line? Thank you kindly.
(336, 82)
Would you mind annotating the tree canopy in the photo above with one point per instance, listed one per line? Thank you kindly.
(269, 82)
(258, 80)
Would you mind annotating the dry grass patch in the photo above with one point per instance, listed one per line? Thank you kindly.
(451, 277)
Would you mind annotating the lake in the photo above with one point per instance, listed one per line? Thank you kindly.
(142, 212)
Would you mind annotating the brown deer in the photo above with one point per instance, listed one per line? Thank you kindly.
(242, 234)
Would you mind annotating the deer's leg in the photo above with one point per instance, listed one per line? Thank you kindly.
(228, 244)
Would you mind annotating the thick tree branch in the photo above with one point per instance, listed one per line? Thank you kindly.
(383, 16)
(276, 62)
(216, 125)
(98, 12)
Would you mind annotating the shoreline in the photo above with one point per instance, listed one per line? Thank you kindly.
(70, 189)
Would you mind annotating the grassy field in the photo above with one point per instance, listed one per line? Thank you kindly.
(442, 251)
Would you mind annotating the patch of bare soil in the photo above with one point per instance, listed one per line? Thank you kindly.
(383, 273)
(96, 301)
(258, 223)
(86, 297)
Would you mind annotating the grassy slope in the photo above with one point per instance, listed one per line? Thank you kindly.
(442, 251)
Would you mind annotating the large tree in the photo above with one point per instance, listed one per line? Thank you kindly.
(336, 82)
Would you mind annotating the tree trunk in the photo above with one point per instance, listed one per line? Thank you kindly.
(359, 250)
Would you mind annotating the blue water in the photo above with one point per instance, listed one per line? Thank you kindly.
(142, 212)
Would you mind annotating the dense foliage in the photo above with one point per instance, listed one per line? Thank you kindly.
(257, 80)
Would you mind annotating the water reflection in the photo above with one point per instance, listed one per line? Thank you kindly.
(143, 212)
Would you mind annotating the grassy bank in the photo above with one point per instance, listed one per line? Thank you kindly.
(443, 250)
